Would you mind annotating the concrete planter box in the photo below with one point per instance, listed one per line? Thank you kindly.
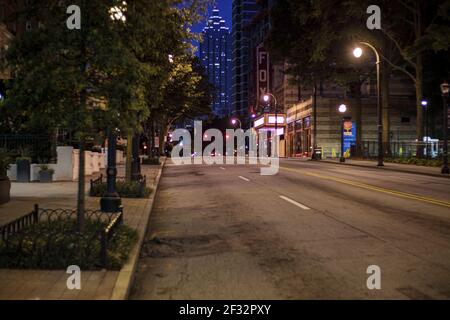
(23, 170)
(46, 176)
(5, 188)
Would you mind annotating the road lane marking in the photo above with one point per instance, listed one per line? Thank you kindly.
(295, 203)
(378, 189)
(243, 178)
(222, 168)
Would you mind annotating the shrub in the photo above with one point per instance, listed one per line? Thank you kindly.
(45, 167)
(4, 163)
(131, 189)
(151, 161)
(416, 161)
(56, 244)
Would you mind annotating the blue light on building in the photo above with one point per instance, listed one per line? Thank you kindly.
(215, 56)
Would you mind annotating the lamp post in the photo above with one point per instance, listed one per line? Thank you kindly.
(235, 120)
(357, 52)
(111, 202)
(266, 98)
(425, 106)
(342, 110)
(445, 87)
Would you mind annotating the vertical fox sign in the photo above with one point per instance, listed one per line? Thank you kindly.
(262, 71)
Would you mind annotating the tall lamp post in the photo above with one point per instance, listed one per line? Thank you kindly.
(357, 52)
(425, 106)
(111, 202)
(342, 110)
(266, 98)
(445, 88)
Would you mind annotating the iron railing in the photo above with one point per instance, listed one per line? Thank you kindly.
(430, 150)
(94, 183)
(36, 146)
(108, 222)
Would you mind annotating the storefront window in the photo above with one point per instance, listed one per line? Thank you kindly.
(298, 125)
(307, 122)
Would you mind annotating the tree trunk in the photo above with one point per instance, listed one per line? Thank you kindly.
(419, 108)
(81, 186)
(152, 138)
(419, 77)
(129, 157)
(357, 114)
(385, 89)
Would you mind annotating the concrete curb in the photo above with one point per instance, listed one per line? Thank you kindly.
(439, 175)
(125, 279)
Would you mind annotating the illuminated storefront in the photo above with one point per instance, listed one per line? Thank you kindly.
(267, 122)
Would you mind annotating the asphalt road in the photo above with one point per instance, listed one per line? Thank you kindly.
(309, 232)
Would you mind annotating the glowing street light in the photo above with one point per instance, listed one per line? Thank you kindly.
(342, 108)
(236, 120)
(358, 52)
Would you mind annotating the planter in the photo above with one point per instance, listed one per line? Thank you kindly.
(23, 170)
(45, 176)
(5, 188)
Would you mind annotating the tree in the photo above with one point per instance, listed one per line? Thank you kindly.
(417, 29)
(63, 77)
(186, 94)
(323, 53)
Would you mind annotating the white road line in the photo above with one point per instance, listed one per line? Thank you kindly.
(222, 168)
(295, 203)
(244, 178)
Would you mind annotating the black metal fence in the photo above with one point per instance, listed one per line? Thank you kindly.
(109, 223)
(431, 150)
(94, 183)
(38, 147)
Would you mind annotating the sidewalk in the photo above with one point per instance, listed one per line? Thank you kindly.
(407, 168)
(51, 284)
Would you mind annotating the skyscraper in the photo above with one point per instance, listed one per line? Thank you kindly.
(243, 12)
(215, 55)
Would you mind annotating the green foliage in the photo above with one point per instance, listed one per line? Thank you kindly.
(151, 161)
(416, 161)
(45, 167)
(23, 159)
(57, 244)
(131, 189)
(4, 163)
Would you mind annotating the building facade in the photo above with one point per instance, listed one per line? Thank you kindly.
(242, 14)
(215, 56)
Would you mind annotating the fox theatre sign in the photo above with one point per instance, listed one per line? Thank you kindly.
(262, 71)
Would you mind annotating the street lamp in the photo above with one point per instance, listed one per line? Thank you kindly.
(424, 104)
(111, 202)
(445, 88)
(266, 98)
(236, 120)
(358, 52)
(342, 110)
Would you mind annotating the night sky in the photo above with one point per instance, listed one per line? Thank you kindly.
(224, 7)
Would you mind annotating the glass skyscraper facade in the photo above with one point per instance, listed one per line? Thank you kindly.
(215, 56)
(243, 12)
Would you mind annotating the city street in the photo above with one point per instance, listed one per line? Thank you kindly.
(311, 231)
